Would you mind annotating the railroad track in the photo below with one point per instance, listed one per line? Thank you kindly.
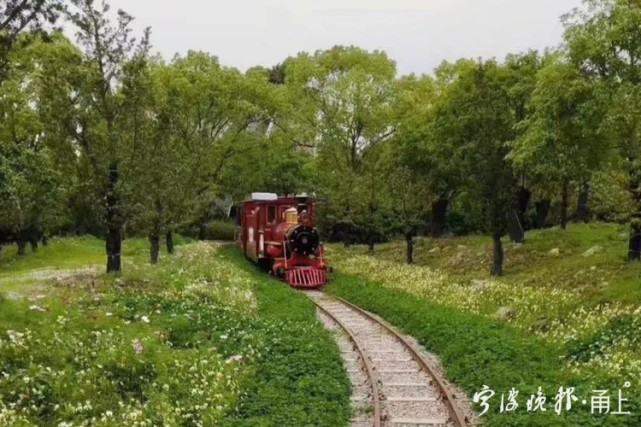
(393, 384)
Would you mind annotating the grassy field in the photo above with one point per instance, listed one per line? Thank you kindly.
(201, 339)
(566, 313)
(205, 339)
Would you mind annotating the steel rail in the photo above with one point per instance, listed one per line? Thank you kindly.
(456, 414)
(368, 366)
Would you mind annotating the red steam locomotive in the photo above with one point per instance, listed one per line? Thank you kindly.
(278, 234)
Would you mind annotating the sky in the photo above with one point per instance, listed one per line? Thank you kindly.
(417, 34)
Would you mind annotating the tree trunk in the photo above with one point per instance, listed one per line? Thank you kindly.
(345, 238)
(439, 217)
(154, 235)
(634, 245)
(22, 244)
(516, 218)
(515, 227)
(114, 223)
(409, 240)
(542, 212)
(371, 233)
(23, 237)
(565, 190)
(33, 240)
(497, 262)
(154, 250)
(45, 240)
(522, 205)
(582, 210)
(372, 239)
(170, 242)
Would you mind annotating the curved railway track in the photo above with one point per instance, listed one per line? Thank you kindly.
(400, 389)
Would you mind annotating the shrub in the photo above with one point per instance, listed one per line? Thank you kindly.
(219, 230)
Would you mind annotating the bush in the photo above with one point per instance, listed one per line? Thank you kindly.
(220, 230)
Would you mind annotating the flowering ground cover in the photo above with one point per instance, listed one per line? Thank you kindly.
(201, 339)
(568, 309)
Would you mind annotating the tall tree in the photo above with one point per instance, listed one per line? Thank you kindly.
(604, 41)
(522, 71)
(423, 150)
(346, 105)
(33, 184)
(561, 142)
(194, 126)
(98, 127)
(406, 195)
(476, 117)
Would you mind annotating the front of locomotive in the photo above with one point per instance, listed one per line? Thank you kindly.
(302, 263)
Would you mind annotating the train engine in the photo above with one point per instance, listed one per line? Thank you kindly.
(278, 234)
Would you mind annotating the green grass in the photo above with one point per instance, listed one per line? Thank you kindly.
(60, 253)
(301, 381)
(477, 351)
(219, 343)
(604, 277)
(74, 252)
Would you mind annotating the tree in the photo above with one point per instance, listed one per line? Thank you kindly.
(561, 142)
(476, 117)
(407, 197)
(20, 16)
(32, 183)
(20, 21)
(604, 42)
(522, 71)
(97, 128)
(345, 107)
(422, 149)
(198, 132)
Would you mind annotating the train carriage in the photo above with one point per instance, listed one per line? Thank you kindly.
(279, 235)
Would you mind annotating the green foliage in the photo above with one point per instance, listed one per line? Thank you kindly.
(83, 361)
(104, 137)
(571, 289)
(345, 104)
(610, 200)
(620, 328)
(220, 230)
(300, 380)
(604, 42)
(33, 186)
(203, 340)
(561, 137)
(476, 117)
(18, 17)
(59, 253)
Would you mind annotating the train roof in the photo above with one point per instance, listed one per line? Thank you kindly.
(273, 197)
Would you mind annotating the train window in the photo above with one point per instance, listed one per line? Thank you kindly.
(271, 214)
